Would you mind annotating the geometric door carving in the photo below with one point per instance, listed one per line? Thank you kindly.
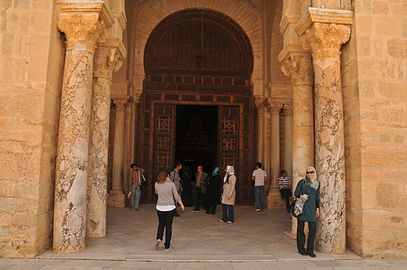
(163, 142)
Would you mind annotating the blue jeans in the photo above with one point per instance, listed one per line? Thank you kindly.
(259, 196)
(228, 212)
(135, 196)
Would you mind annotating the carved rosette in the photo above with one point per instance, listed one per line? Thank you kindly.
(298, 66)
(82, 32)
(106, 61)
(325, 41)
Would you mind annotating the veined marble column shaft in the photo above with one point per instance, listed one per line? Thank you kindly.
(116, 196)
(325, 41)
(274, 197)
(298, 66)
(106, 60)
(288, 141)
(82, 31)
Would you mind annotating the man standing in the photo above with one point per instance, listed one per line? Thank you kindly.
(199, 187)
(284, 184)
(259, 177)
(175, 177)
(135, 182)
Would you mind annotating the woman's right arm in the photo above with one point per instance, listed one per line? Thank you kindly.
(177, 197)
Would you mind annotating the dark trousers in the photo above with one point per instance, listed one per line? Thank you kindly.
(312, 227)
(165, 221)
(212, 203)
(228, 212)
(198, 198)
(285, 196)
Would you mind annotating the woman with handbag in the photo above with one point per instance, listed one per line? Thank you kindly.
(166, 208)
(308, 191)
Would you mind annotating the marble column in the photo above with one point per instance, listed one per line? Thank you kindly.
(83, 28)
(116, 196)
(325, 41)
(107, 59)
(298, 66)
(260, 127)
(274, 197)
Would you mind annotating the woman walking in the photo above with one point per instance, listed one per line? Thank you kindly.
(228, 196)
(214, 187)
(308, 191)
(166, 209)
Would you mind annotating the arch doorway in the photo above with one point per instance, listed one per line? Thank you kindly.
(197, 104)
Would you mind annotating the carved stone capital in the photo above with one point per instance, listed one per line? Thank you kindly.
(84, 24)
(298, 66)
(272, 106)
(120, 104)
(325, 40)
(258, 101)
(107, 60)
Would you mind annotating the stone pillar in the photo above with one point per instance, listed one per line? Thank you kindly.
(274, 197)
(83, 25)
(325, 41)
(116, 195)
(107, 59)
(298, 66)
(288, 140)
(260, 127)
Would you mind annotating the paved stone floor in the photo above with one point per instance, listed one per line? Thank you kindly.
(254, 241)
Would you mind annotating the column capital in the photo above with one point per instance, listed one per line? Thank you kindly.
(298, 66)
(84, 24)
(107, 60)
(120, 104)
(325, 40)
(272, 106)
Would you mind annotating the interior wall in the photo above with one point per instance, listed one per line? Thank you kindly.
(31, 60)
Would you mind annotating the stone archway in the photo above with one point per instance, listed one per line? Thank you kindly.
(181, 70)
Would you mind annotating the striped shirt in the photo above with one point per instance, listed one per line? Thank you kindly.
(284, 182)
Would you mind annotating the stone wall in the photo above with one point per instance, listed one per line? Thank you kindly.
(380, 28)
(31, 64)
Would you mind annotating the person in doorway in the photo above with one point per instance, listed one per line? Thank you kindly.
(228, 195)
(284, 184)
(214, 187)
(136, 173)
(176, 179)
(166, 208)
(308, 191)
(186, 181)
(199, 187)
(259, 177)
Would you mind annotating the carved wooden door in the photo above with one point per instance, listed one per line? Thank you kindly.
(228, 138)
(164, 137)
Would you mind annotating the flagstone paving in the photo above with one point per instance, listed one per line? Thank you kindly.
(254, 241)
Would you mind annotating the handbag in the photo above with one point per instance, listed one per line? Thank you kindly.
(297, 203)
(144, 182)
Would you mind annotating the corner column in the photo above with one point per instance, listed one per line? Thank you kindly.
(84, 26)
(298, 66)
(107, 59)
(116, 196)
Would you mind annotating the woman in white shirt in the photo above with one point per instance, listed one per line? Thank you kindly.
(166, 192)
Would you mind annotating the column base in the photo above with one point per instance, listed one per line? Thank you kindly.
(116, 198)
(274, 200)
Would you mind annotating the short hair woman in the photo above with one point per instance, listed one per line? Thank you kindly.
(308, 191)
(166, 209)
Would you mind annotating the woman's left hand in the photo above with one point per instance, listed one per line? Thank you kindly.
(317, 213)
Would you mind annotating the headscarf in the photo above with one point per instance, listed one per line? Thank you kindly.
(314, 182)
(229, 171)
(215, 171)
